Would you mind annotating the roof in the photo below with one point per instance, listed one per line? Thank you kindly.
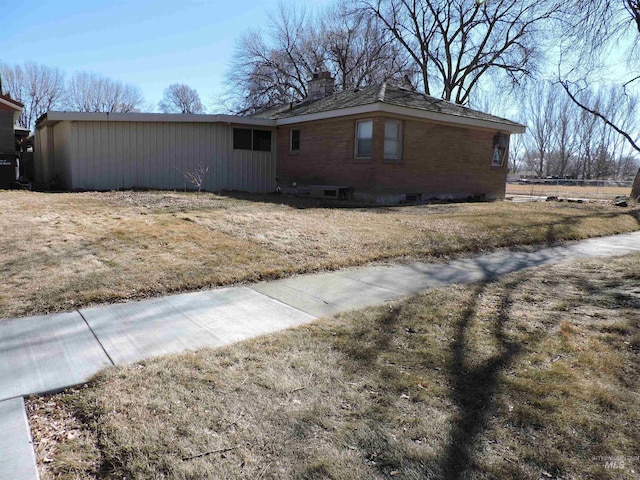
(10, 102)
(382, 98)
(391, 99)
(51, 118)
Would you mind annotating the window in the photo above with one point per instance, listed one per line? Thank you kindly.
(500, 146)
(262, 140)
(364, 135)
(295, 140)
(251, 139)
(242, 139)
(392, 139)
(498, 156)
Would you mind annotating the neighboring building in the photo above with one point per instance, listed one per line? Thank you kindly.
(381, 143)
(10, 111)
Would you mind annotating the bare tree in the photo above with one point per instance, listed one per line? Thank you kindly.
(587, 127)
(89, 92)
(598, 26)
(38, 87)
(456, 43)
(622, 111)
(563, 132)
(601, 152)
(540, 112)
(180, 98)
(196, 177)
(517, 153)
(359, 50)
(272, 67)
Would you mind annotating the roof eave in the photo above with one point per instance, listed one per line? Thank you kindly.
(51, 118)
(11, 103)
(448, 118)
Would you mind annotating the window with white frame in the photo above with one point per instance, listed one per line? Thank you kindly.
(295, 140)
(364, 137)
(392, 139)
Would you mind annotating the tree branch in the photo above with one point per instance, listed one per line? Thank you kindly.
(594, 112)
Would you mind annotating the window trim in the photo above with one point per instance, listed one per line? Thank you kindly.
(358, 155)
(399, 138)
(291, 132)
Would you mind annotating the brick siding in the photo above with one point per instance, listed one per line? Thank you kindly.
(437, 160)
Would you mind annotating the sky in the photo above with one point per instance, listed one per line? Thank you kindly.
(148, 43)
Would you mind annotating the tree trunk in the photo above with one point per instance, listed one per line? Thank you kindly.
(635, 190)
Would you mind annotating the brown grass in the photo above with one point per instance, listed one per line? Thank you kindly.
(63, 251)
(568, 191)
(534, 375)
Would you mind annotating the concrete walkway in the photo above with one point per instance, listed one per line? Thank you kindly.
(48, 353)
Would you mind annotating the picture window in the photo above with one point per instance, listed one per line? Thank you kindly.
(252, 139)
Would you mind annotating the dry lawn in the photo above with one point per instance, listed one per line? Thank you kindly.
(63, 251)
(533, 376)
(568, 191)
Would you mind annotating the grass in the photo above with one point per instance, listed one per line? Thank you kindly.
(534, 375)
(63, 251)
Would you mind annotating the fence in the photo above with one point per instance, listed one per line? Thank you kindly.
(570, 188)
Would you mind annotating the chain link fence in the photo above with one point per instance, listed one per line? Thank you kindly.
(570, 188)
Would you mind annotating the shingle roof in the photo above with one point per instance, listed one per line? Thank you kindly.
(384, 93)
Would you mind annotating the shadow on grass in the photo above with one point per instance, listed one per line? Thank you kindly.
(303, 202)
(300, 203)
(473, 385)
(554, 229)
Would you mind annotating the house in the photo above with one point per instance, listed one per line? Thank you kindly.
(10, 111)
(388, 144)
(108, 151)
(377, 144)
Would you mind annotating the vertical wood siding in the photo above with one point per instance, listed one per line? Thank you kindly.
(62, 174)
(112, 155)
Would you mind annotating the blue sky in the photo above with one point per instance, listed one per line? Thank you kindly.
(151, 44)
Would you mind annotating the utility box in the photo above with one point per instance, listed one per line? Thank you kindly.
(8, 170)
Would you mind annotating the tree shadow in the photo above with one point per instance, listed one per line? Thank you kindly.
(474, 387)
(553, 229)
(298, 202)
(553, 232)
(303, 202)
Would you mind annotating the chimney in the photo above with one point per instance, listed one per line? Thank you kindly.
(321, 85)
